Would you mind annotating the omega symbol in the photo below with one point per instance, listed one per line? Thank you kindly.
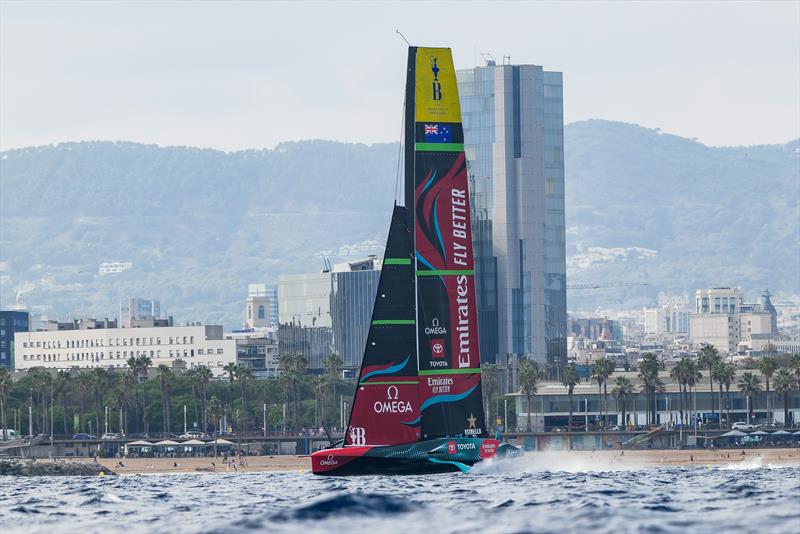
(389, 394)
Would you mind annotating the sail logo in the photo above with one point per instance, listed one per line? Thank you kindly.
(436, 84)
(437, 348)
(392, 405)
(330, 460)
(358, 435)
(463, 321)
(435, 328)
(451, 447)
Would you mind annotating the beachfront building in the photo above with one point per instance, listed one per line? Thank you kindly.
(550, 405)
(104, 345)
(11, 322)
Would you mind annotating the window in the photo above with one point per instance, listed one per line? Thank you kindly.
(199, 352)
(261, 312)
(170, 341)
(219, 351)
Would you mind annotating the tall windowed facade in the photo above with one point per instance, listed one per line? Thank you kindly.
(514, 141)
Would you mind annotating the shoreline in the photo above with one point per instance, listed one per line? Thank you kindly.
(551, 459)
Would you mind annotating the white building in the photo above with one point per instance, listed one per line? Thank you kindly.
(113, 267)
(257, 308)
(666, 320)
(723, 320)
(194, 344)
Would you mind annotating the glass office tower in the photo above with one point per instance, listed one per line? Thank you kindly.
(514, 141)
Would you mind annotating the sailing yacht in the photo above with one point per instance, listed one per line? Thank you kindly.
(418, 405)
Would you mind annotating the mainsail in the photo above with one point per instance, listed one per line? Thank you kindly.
(420, 377)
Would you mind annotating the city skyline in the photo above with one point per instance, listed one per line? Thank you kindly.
(238, 85)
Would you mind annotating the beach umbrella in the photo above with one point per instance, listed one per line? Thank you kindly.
(193, 442)
(732, 434)
(167, 442)
(796, 433)
(759, 433)
(220, 441)
(781, 433)
(140, 443)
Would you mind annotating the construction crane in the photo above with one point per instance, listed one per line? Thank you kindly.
(603, 286)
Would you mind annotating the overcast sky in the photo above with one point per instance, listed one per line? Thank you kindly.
(250, 75)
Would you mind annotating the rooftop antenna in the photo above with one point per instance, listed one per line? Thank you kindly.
(489, 59)
(505, 57)
(398, 32)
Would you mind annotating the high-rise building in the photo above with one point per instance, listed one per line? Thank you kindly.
(514, 142)
(134, 309)
(327, 312)
(11, 321)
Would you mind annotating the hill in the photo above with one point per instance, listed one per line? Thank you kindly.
(198, 225)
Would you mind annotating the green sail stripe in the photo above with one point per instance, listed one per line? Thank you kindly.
(397, 261)
(445, 272)
(439, 147)
(380, 322)
(388, 383)
(468, 371)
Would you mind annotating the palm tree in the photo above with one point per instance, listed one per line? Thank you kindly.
(298, 370)
(244, 376)
(215, 411)
(529, 375)
(333, 368)
(601, 370)
(203, 376)
(749, 384)
(285, 367)
(794, 363)
(99, 378)
(569, 379)
(622, 389)
(726, 375)
(319, 384)
(62, 385)
(767, 366)
(85, 385)
(785, 384)
(648, 373)
(693, 376)
(230, 369)
(165, 377)
(719, 374)
(490, 382)
(126, 385)
(678, 374)
(5, 388)
(709, 357)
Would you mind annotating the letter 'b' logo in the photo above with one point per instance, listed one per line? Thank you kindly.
(358, 435)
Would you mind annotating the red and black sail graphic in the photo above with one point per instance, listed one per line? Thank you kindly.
(387, 392)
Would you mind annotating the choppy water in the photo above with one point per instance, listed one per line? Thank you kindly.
(696, 499)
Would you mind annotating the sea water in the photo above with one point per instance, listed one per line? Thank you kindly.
(521, 498)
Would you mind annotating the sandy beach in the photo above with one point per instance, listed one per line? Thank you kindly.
(567, 460)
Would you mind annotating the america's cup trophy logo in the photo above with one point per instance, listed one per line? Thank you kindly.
(437, 86)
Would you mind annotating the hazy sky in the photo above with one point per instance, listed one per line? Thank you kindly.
(252, 74)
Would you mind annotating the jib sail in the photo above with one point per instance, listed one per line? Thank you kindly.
(386, 393)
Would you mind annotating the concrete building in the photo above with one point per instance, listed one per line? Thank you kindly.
(110, 347)
(258, 350)
(723, 320)
(715, 320)
(258, 307)
(327, 312)
(666, 320)
(135, 309)
(11, 322)
(514, 142)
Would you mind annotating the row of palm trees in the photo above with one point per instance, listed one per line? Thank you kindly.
(144, 399)
(686, 373)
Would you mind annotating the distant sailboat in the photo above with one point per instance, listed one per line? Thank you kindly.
(418, 406)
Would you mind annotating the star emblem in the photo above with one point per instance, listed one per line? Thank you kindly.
(471, 419)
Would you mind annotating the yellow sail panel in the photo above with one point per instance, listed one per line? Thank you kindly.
(436, 89)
